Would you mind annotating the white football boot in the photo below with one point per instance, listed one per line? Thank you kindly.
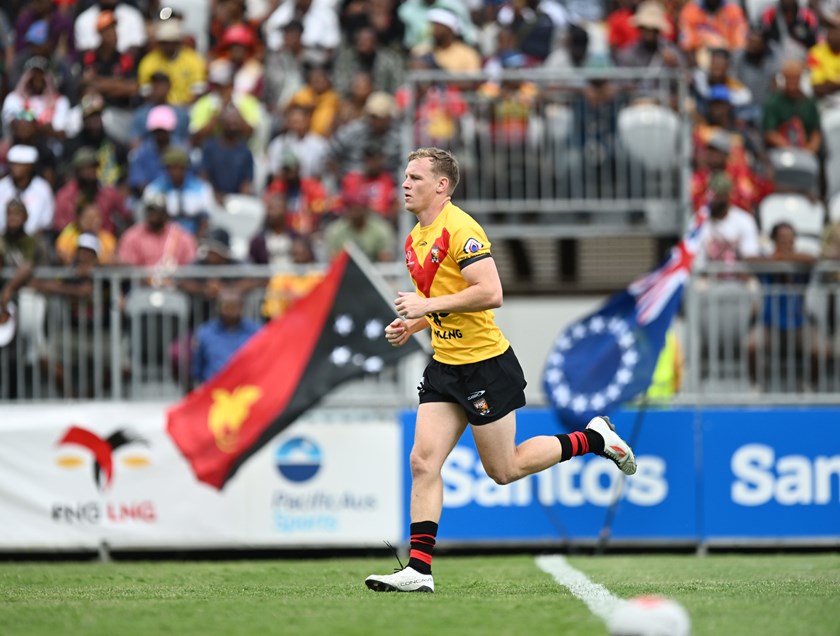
(405, 580)
(615, 448)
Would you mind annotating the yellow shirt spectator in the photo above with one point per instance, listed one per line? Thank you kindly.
(186, 72)
(67, 244)
(824, 64)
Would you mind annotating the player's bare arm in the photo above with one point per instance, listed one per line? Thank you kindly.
(399, 331)
(484, 292)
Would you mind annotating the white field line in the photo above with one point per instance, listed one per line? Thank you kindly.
(598, 599)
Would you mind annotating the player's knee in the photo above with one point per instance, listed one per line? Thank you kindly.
(502, 475)
(422, 465)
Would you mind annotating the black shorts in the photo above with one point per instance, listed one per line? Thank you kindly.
(486, 390)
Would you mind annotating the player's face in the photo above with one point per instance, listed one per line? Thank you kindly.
(420, 185)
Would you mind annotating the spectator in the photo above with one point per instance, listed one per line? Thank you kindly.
(33, 191)
(306, 197)
(790, 26)
(74, 341)
(446, 51)
(366, 54)
(226, 160)
(310, 148)
(131, 29)
(319, 19)
(37, 92)
(730, 234)
(414, 14)
(106, 70)
(19, 250)
(206, 113)
(40, 42)
(219, 339)
(711, 24)
(146, 164)
(824, 60)
(784, 331)
(111, 155)
(288, 286)
(272, 245)
(507, 55)
(157, 95)
(353, 104)
(746, 147)
(718, 74)
(379, 125)
(376, 182)
(59, 23)
(157, 242)
(319, 96)
(182, 64)
(792, 119)
(371, 233)
(88, 222)
(651, 48)
(85, 188)
(622, 30)
(25, 131)
(189, 200)
(747, 188)
(284, 67)
(238, 44)
(573, 53)
(757, 66)
(381, 16)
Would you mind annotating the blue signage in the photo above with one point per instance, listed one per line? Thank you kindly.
(704, 474)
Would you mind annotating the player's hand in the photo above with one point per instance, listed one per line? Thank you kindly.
(397, 333)
(410, 305)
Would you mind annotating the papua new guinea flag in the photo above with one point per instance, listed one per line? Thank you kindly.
(332, 335)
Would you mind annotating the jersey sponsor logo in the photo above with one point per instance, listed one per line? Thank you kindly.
(450, 334)
(475, 395)
(472, 246)
(437, 318)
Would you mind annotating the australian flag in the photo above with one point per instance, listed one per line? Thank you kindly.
(608, 357)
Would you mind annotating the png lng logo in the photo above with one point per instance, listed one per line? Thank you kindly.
(103, 452)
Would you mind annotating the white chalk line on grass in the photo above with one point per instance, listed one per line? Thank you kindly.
(597, 598)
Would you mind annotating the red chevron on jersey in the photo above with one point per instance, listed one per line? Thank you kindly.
(424, 275)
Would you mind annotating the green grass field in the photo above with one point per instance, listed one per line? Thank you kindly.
(726, 595)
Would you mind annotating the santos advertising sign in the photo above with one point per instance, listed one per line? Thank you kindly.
(713, 475)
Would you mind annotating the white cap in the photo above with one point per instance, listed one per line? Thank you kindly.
(22, 154)
(88, 241)
(445, 17)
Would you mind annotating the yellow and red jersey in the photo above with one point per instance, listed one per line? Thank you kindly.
(435, 256)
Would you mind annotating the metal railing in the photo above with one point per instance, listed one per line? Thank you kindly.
(129, 339)
(553, 152)
(763, 333)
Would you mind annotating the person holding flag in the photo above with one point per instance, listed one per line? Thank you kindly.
(474, 377)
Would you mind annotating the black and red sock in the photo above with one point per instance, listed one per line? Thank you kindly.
(580, 443)
(422, 540)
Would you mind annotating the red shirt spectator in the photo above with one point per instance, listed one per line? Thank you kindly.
(376, 183)
(306, 198)
(158, 242)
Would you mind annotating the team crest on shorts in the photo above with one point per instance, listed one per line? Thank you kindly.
(435, 254)
(472, 246)
(481, 406)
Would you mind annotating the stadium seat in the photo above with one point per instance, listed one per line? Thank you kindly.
(830, 121)
(795, 170)
(834, 209)
(754, 9)
(158, 319)
(196, 20)
(807, 217)
(242, 216)
(648, 133)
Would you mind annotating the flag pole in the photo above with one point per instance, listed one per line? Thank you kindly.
(381, 285)
(605, 534)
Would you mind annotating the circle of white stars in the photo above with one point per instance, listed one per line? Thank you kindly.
(343, 355)
(558, 382)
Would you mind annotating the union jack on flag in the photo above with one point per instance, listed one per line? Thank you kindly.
(608, 357)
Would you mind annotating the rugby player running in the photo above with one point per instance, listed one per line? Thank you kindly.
(474, 377)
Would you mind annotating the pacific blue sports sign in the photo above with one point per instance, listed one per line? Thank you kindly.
(711, 475)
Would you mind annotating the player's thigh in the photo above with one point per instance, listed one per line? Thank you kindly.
(439, 427)
(496, 443)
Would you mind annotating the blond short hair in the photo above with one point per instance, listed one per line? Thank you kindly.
(444, 164)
